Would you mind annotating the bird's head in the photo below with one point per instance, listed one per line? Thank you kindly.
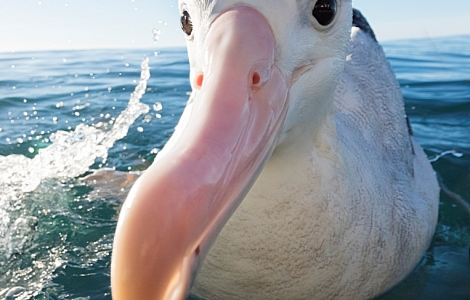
(262, 72)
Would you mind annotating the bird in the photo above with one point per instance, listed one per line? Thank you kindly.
(293, 172)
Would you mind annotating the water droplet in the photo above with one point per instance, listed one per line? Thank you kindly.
(126, 64)
(154, 151)
(31, 150)
(64, 60)
(156, 34)
(140, 129)
(12, 66)
(59, 104)
(109, 89)
(19, 140)
(157, 106)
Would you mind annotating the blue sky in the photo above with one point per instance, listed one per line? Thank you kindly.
(88, 24)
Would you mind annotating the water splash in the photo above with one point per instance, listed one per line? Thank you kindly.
(71, 154)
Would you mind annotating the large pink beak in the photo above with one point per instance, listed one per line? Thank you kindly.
(179, 205)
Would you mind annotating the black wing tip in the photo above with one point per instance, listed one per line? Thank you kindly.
(360, 21)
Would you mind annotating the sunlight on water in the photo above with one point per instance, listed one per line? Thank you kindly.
(70, 155)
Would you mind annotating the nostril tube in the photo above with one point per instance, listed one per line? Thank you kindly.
(256, 78)
(260, 74)
(199, 80)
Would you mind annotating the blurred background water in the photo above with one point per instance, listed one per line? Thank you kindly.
(71, 145)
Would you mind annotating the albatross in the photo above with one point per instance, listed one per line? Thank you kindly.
(292, 173)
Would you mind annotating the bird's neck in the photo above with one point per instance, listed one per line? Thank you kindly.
(307, 132)
(302, 172)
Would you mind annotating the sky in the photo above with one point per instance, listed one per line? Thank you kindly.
(105, 24)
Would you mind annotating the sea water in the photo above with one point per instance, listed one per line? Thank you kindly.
(77, 127)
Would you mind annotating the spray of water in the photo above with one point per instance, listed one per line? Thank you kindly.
(70, 155)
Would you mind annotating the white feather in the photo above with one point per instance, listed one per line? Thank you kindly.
(347, 204)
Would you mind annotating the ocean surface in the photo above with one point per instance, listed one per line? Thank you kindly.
(76, 127)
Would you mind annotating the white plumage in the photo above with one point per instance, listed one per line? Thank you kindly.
(345, 214)
(347, 202)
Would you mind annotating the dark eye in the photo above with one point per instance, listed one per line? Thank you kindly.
(186, 23)
(324, 11)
